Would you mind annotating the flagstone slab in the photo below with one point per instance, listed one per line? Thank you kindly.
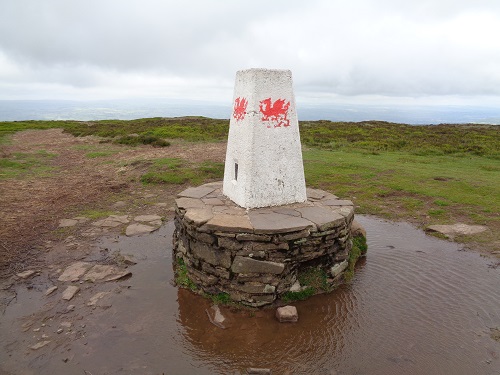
(196, 192)
(277, 223)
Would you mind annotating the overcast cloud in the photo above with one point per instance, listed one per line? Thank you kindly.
(432, 51)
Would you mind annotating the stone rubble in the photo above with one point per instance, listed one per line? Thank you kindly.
(255, 255)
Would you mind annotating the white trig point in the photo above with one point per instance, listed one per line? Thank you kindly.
(264, 157)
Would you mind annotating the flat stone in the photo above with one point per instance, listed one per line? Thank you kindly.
(25, 274)
(102, 272)
(315, 194)
(248, 265)
(258, 371)
(137, 229)
(337, 202)
(346, 211)
(189, 203)
(51, 290)
(287, 314)
(457, 229)
(324, 218)
(75, 271)
(119, 204)
(213, 256)
(286, 211)
(230, 223)
(215, 316)
(112, 221)
(64, 223)
(277, 223)
(198, 216)
(338, 268)
(213, 201)
(147, 218)
(229, 243)
(70, 292)
(40, 344)
(253, 237)
(129, 259)
(196, 192)
(253, 287)
(93, 301)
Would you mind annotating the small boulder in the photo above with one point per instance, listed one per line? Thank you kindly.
(25, 274)
(258, 371)
(70, 292)
(287, 314)
(215, 316)
(357, 229)
(51, 290)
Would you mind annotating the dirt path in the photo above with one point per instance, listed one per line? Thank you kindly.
(81, 175)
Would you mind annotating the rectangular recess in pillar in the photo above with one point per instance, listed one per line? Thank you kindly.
(235, 171)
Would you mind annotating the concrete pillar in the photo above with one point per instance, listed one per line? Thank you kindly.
(264, 156)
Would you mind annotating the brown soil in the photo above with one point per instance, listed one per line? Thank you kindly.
(33, 203)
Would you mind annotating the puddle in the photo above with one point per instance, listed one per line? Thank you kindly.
(417, 305)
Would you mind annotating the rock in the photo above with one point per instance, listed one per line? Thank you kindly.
(315, 194)
(112, 221)
(258, 371)
(215, 316)
(119, 204)
(211, 255)
(323, 217)
(129, 260)
(66, 324)
(97, 297)
(357, 229)
(248, 265)
(147, 218)
(189, 203)
(64, 223)
(25, 274)
(230, 223)
(51, 290)
(75, 271)
(138, 229)
(60, 330)
(196, 192)
(457, 229)
(338, 268)
(40, 344)
(101, 272)
(296, 287)
(272, 223)
(213, 201)
(287, 314)
(70, 308)
(338, 202)
(70, 292)
(198, 216)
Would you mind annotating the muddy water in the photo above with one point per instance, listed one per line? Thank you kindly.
(417, 305)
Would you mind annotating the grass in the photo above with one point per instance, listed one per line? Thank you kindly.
(19, 164)
(359, 247)
(99, 154)
(96, 214)
(179, 171)
(396, 184)
(313, 280)
(181, 276)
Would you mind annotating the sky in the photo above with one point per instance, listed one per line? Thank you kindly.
(356, 51)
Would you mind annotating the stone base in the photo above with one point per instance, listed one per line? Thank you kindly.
(256, 255)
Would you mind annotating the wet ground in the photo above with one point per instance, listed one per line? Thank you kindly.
(417, 305)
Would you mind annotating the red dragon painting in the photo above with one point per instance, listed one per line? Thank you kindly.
(275, 113)
(240, 108)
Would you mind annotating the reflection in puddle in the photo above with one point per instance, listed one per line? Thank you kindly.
(416, 305)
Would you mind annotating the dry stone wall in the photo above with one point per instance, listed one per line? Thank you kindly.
(256, 255)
